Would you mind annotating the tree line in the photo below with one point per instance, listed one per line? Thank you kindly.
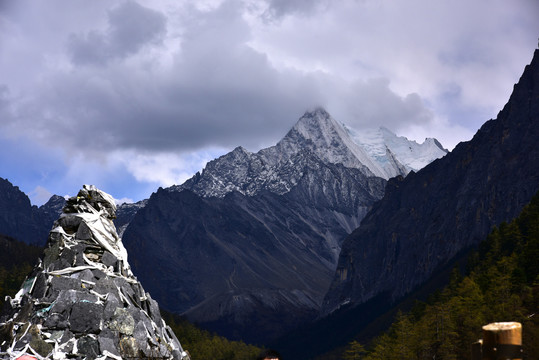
(16, 261)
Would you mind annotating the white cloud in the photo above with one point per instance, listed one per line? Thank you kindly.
(166, 169)
(123, 200)
(39, 195)
(439, 128)
(420, 46)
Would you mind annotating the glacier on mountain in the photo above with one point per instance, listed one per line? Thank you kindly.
(396, 154)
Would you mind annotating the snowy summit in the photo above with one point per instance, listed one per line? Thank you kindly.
(278, 169)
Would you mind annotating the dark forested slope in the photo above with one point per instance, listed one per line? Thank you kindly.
(501, 284)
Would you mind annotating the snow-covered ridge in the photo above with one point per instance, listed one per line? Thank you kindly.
(318, 136)
(385, 147)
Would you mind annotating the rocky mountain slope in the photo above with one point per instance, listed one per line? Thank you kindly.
(253, 240)
(425, 219)
(81, 300)
(125, 213)
(19, 219)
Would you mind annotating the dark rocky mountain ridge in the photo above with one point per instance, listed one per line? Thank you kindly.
(125, 213)
(20, 220)
(31, 224)
(425, 219)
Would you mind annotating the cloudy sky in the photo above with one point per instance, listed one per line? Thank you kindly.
(132, 95)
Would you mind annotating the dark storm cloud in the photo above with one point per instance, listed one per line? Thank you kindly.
(4, 94)
(190, 108)
(5, 5)
(216, 91)
(130, 27)
(372, 101)
(194, 79)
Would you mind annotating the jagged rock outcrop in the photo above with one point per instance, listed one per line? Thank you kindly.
(277, 169)
(52, 209)
(378, 153)
(82, 300)
(425, 219)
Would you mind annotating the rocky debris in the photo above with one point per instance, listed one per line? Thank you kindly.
(81, 300)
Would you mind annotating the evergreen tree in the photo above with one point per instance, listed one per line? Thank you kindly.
(355, 351)
(502, 285)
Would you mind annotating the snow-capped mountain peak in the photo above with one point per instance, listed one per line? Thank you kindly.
(330, 141)
(315, 137)
(318, 126)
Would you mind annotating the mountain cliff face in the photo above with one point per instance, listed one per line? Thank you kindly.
(252, 241)
(125, 213)
(425, 219)
(81, 300)
(19, 219)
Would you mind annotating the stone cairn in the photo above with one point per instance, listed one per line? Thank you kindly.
(81, 300)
